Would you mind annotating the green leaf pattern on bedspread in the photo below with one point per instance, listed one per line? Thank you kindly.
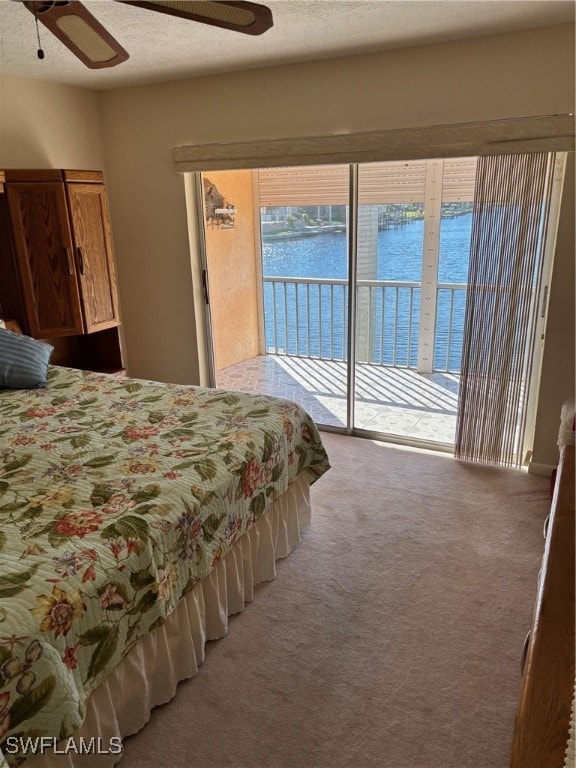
(116, 497)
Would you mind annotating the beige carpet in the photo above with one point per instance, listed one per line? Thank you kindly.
(391, 636)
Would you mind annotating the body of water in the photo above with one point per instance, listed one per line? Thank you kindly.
(388, 317)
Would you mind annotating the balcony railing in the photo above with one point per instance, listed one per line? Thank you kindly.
(308, 317)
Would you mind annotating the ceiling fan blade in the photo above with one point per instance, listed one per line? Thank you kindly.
(250, 18)
(75, 26)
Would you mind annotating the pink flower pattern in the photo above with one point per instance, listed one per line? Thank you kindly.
(112, 515)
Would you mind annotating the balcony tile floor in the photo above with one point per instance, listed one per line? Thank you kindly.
(396, 401)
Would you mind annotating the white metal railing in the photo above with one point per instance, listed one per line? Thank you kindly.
(307, 317)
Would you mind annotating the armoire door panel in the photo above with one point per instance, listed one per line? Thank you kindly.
(43, 247)
(93, 255)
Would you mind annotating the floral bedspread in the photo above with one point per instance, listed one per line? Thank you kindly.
(116, 497)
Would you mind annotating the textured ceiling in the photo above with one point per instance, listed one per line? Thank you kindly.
(163, 47)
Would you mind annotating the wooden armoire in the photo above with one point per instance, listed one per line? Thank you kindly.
(57, 277)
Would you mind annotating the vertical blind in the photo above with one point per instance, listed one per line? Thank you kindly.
(509, 227)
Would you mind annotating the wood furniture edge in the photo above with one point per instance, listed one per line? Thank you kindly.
(14, 175)
(543, 717)
(88, 177)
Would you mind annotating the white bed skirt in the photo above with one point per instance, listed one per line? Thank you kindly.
(149, 674)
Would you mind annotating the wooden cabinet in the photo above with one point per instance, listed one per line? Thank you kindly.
(93, 251)
(543, 717)
(44, 258)
(57, 264)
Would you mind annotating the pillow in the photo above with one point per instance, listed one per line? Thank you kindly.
(23, 361)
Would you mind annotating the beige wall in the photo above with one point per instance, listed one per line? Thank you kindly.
(231, 257)
(46, 125)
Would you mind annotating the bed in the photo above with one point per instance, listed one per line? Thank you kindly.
(134, 518)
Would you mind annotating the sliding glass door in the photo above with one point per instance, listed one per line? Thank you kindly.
(344, 289)
(305, 295)
(301, 246)
(414, 222)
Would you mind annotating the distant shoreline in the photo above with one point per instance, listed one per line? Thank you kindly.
(297, 234)
(331, 229)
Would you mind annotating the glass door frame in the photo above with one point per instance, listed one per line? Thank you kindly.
(201, 279)
(352, 296)
(350, 428)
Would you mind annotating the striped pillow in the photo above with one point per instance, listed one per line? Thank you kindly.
(23, 361)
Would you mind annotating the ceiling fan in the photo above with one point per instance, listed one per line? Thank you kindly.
(73, 24)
